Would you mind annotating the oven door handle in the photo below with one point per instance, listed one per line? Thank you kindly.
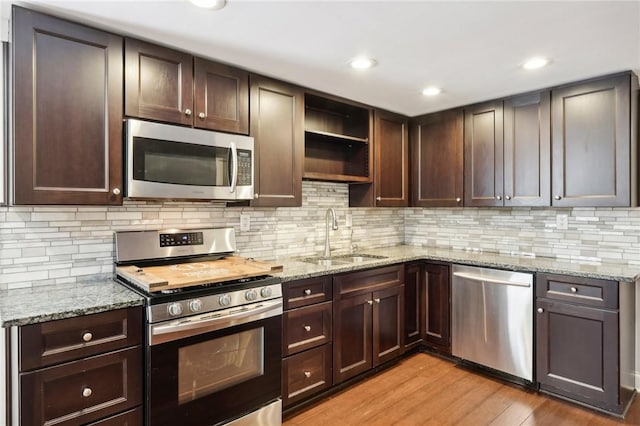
(161, 333)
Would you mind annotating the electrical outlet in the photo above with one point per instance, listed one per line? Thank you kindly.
(245, 222)
(348, 221)
(562, 222)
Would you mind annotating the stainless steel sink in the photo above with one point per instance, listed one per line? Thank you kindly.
(343, 259)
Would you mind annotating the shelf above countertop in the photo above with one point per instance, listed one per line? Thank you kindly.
(336, 136)
(336, 177)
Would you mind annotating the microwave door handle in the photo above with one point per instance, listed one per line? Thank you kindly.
(234, 167)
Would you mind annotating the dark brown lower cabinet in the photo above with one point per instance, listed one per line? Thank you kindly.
(427, 306)
(368, 320)
(584, 352)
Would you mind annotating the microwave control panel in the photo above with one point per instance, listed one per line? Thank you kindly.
(244, 168)
(181, 239)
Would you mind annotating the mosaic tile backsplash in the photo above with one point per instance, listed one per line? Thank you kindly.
(45, 245)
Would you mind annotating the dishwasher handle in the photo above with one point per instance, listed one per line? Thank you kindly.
(490, 280)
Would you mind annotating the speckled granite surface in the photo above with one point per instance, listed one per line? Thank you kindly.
(38, 304)
(296, 269)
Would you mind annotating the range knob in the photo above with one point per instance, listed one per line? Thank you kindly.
(175, 309)
(266, 292)
(224, 300)
(195, 305)
(251, 295)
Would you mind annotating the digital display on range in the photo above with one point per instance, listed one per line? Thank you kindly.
(181, 239)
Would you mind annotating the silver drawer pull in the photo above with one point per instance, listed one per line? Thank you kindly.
(87, 392)
(307, 328)
(370, 302)
(307, 292)
(540, 310)
(377, 300)
(87, 337)
(307, 374)
(574, 290)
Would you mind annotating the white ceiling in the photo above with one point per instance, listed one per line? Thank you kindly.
(471, 49)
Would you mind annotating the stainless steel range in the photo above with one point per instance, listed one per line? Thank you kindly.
(213, 349)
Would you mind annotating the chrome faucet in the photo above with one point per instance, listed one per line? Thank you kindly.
(334, 225)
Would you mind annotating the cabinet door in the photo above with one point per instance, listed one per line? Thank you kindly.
(352, 336)
(436, 155)
(158, 83)
(305, 374)
(577, 352)
(68, 112)
(438, 307)
(414, 306)
(391, 160)
(221, 97)
(388, 324)
(277, 114)
(591, 143)
(527, 150)
(483, 155)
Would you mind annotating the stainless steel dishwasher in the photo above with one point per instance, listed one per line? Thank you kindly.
(492, 319)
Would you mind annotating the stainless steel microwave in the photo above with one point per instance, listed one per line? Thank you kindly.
(171, 162)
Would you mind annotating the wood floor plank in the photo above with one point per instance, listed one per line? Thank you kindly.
(427, 390)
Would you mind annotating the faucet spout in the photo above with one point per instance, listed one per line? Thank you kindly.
(330, 215)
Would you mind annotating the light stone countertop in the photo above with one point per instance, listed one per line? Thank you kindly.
(51, 302)
(295, 269)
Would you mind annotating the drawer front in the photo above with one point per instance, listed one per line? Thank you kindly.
(306, 328)
(369, 280)
(128, 418)
(54, 342)
(307, 292)
(584, 291)
(305, 374)
(82, 391)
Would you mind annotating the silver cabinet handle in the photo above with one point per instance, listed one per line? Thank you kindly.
(574, 290)
(201, 116)
(116, 191)
(378, 198)
(377, 300)
(540, 310)
(256, 196)
(307, 374)
(87, 337)
(87, 392)
(558, 197)
(458, 199)
(307, 328)
(187, 112)
(508, 197)
(370, 302)
(498, 197)
(307, 291)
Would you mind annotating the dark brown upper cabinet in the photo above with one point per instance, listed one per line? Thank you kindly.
(483, 155)
(527, 150)
(594, 152)
(338, 138)
(168, 85)
(507, 152)
(277, 126)
(67, 112)
(436, 160)
(390, 186)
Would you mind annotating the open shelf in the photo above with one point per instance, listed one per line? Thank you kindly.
(337, 139)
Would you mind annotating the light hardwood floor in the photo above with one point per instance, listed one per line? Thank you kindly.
(427, 390)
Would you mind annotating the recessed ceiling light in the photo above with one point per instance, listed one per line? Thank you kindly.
(432, 91)
(535, 63)
(210, 4)
(362, 63)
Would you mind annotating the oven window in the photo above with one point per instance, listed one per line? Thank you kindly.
(210, 366)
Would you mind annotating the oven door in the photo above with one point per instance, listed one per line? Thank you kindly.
(213, 368)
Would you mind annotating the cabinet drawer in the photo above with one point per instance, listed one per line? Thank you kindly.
(53, 342)
(128, 418)
(82, 391)
(305, 374)
(369, 280)
(307, 327)
(307, 292)
(585, 291)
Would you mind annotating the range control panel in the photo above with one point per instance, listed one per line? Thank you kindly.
(181, 239)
